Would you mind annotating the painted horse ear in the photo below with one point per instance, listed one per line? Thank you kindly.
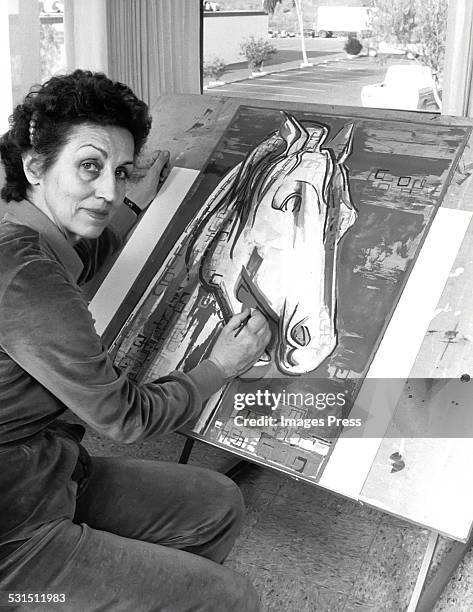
(342, 143)
(292, 131)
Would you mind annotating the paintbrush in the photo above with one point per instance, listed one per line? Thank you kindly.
(243, 323)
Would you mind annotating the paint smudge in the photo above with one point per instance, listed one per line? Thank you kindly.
(457, 272)
(397, 462)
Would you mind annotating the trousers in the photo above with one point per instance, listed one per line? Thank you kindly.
(146, 536)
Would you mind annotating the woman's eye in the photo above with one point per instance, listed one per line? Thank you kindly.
(91, 167)
(121, 174)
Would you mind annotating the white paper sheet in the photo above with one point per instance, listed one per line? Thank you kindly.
(352, 457)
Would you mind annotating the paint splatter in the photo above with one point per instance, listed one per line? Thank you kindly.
(457, 272)
(397, 462)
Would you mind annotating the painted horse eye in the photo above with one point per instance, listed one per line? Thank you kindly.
(289, 196)
(294, 199)
(300, 334)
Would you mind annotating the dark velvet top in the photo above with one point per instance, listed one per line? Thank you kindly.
(51, 359)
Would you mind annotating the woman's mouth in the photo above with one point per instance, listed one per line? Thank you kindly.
(97, 215)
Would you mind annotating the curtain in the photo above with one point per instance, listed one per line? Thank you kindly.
(458, 73)
(86, 20)
(154, 46)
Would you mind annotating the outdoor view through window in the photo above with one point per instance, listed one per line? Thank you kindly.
(32, 46)
(377, 53)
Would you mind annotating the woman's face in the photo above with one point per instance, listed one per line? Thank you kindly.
(84, 187)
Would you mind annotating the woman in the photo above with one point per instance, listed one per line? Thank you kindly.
(96, 533)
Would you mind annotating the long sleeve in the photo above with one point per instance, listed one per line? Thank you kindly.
(48, 331)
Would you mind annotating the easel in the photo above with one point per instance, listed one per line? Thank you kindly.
(234, 469)
(190, 126)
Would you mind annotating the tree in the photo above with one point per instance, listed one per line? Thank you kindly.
(270, 6)
(420, 23)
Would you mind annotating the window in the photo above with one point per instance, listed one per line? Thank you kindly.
(306, 52)
(32, 47)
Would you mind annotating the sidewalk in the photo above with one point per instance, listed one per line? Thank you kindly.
(241, 72)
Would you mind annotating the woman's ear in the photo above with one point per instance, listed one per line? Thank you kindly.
(32, 167)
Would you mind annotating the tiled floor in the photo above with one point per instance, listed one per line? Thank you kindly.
(307, 550)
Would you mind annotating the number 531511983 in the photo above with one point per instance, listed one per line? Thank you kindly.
(36, 598)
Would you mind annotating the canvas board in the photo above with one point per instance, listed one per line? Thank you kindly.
(396, 173)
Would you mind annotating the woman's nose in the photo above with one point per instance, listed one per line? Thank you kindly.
(106, 187)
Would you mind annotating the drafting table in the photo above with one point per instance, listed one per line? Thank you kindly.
(430, 335)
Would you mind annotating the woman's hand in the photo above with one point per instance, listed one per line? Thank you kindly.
(148, 175)
(241, 342)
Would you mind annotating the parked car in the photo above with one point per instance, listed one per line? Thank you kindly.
(51, 6)
(211, 6)
(286, 34)
(405, 86)
(409, 50)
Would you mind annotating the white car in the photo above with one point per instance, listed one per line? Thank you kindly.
(405, 86)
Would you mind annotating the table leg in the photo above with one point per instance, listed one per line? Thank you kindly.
(424, 569)
(236, 468)
(186, 451)
(431, 594)
(232, 470)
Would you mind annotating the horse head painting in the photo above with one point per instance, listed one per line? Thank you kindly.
(267, 237)
(288, 207)
(316, 220)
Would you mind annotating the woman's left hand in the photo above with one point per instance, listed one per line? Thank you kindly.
(148, 175)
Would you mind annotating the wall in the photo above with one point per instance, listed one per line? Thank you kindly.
(225, 31)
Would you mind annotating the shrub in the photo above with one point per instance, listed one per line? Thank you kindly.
(257, 51)
(214, 68)
(353, 46)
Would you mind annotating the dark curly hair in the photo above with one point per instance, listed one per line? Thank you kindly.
(50, 111)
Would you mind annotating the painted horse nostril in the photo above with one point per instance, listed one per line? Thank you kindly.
(300, 334)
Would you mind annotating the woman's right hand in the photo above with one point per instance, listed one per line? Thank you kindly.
(240, 345)
(147, 177)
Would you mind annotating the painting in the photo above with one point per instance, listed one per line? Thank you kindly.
(316, 221)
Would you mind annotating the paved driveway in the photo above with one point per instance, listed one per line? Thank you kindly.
(337, 81)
